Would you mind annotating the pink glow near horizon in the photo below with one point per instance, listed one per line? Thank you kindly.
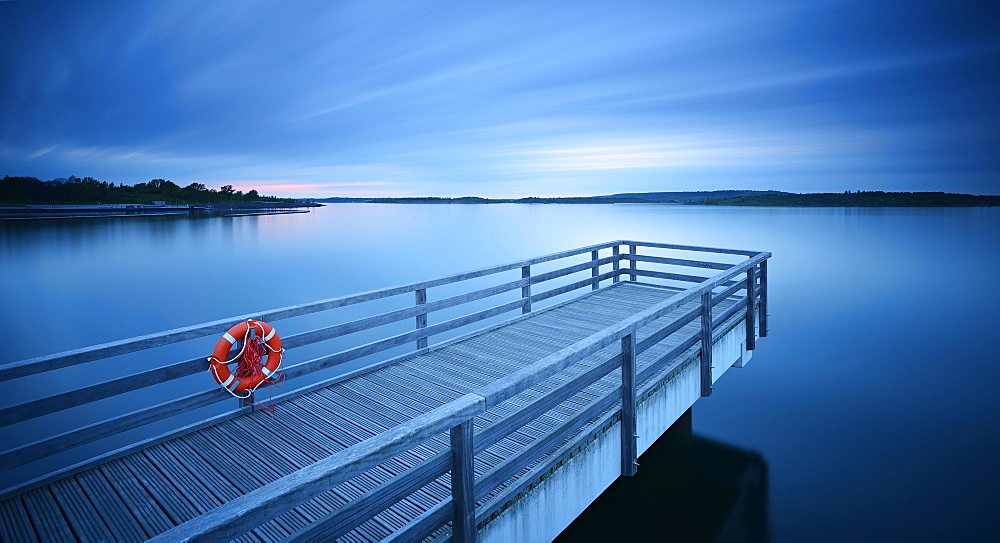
(280, 187)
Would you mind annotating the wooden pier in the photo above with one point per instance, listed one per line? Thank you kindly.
(439, 442)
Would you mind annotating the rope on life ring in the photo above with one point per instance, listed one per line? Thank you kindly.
(250, 372)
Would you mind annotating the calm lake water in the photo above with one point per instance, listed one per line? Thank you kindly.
(873, 402)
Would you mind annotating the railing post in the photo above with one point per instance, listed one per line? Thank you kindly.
(629, 447)
(631, 263)
(763, 298)
(421, 318)
(616, 265)
(526, 289)
(594, 272)
(706, 344)
(463, 524)
(751, 310)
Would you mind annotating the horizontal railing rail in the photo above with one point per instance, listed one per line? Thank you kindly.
(286, 493)
(31, 366)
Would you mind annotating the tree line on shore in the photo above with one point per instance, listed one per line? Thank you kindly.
(87, 190)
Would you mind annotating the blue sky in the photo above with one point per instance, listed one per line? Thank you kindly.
(505, 99)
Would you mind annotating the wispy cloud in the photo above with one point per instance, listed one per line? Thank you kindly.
(547, 97)
(41, 152)
(668, 151)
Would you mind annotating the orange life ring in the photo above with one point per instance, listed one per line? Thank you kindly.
(246, 384)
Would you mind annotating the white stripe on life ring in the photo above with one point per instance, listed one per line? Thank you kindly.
(266, 372)
(229, 338)
(269, 335)
(229, 380)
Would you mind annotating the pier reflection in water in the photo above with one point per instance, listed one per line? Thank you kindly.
(688, 488)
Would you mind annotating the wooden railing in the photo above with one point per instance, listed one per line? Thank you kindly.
(24, 454)
(248, 511)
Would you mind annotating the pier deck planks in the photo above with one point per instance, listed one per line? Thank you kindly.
(149, 491)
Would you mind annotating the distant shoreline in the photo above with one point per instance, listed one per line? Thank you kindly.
(724, 198)
(96, 211)
(30, 192)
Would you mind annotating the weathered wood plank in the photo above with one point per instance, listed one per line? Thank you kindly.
(543, 403)
(367, 506)
(706, 344)
(98, 430)
(616, 265)
(234, 456)
(728, 312)
(678, 262)
(692, 248)
(763, 299)
(526, 289)
(421, 299)
(552, 458)
(667, 358)
(219, 485)
(567, 288)
(751, 340)
(670, 276)
(79, 512)
(342, 329)
(595, 271)
(513, 464)
(668, 330)
(462, 490)
(239, 515)
(31, 366)
(14, 523)
(145, 510)
(173, 502)
(91, 393)
(186, 485)
(424, 524)
(112, 510)
(48, 520)
(631, 262)
(568, 270)
(628, 429)
(373, 347)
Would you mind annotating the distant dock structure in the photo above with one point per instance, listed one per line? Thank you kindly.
(490, 405)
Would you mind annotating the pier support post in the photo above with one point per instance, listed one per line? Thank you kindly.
(706, 344)
(631, 263)
(616, 265)
(463, 525)
(629, 446)
(421, 318)
(751, 310)
(594, 272)
(526, 289)
(763, 298)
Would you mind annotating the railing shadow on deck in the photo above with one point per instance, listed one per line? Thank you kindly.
(456, 417)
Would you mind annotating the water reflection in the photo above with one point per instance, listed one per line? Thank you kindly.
(881, 364)
(689, 488)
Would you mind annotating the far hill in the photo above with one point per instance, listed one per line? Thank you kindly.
(856, 199)
(695, 196)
